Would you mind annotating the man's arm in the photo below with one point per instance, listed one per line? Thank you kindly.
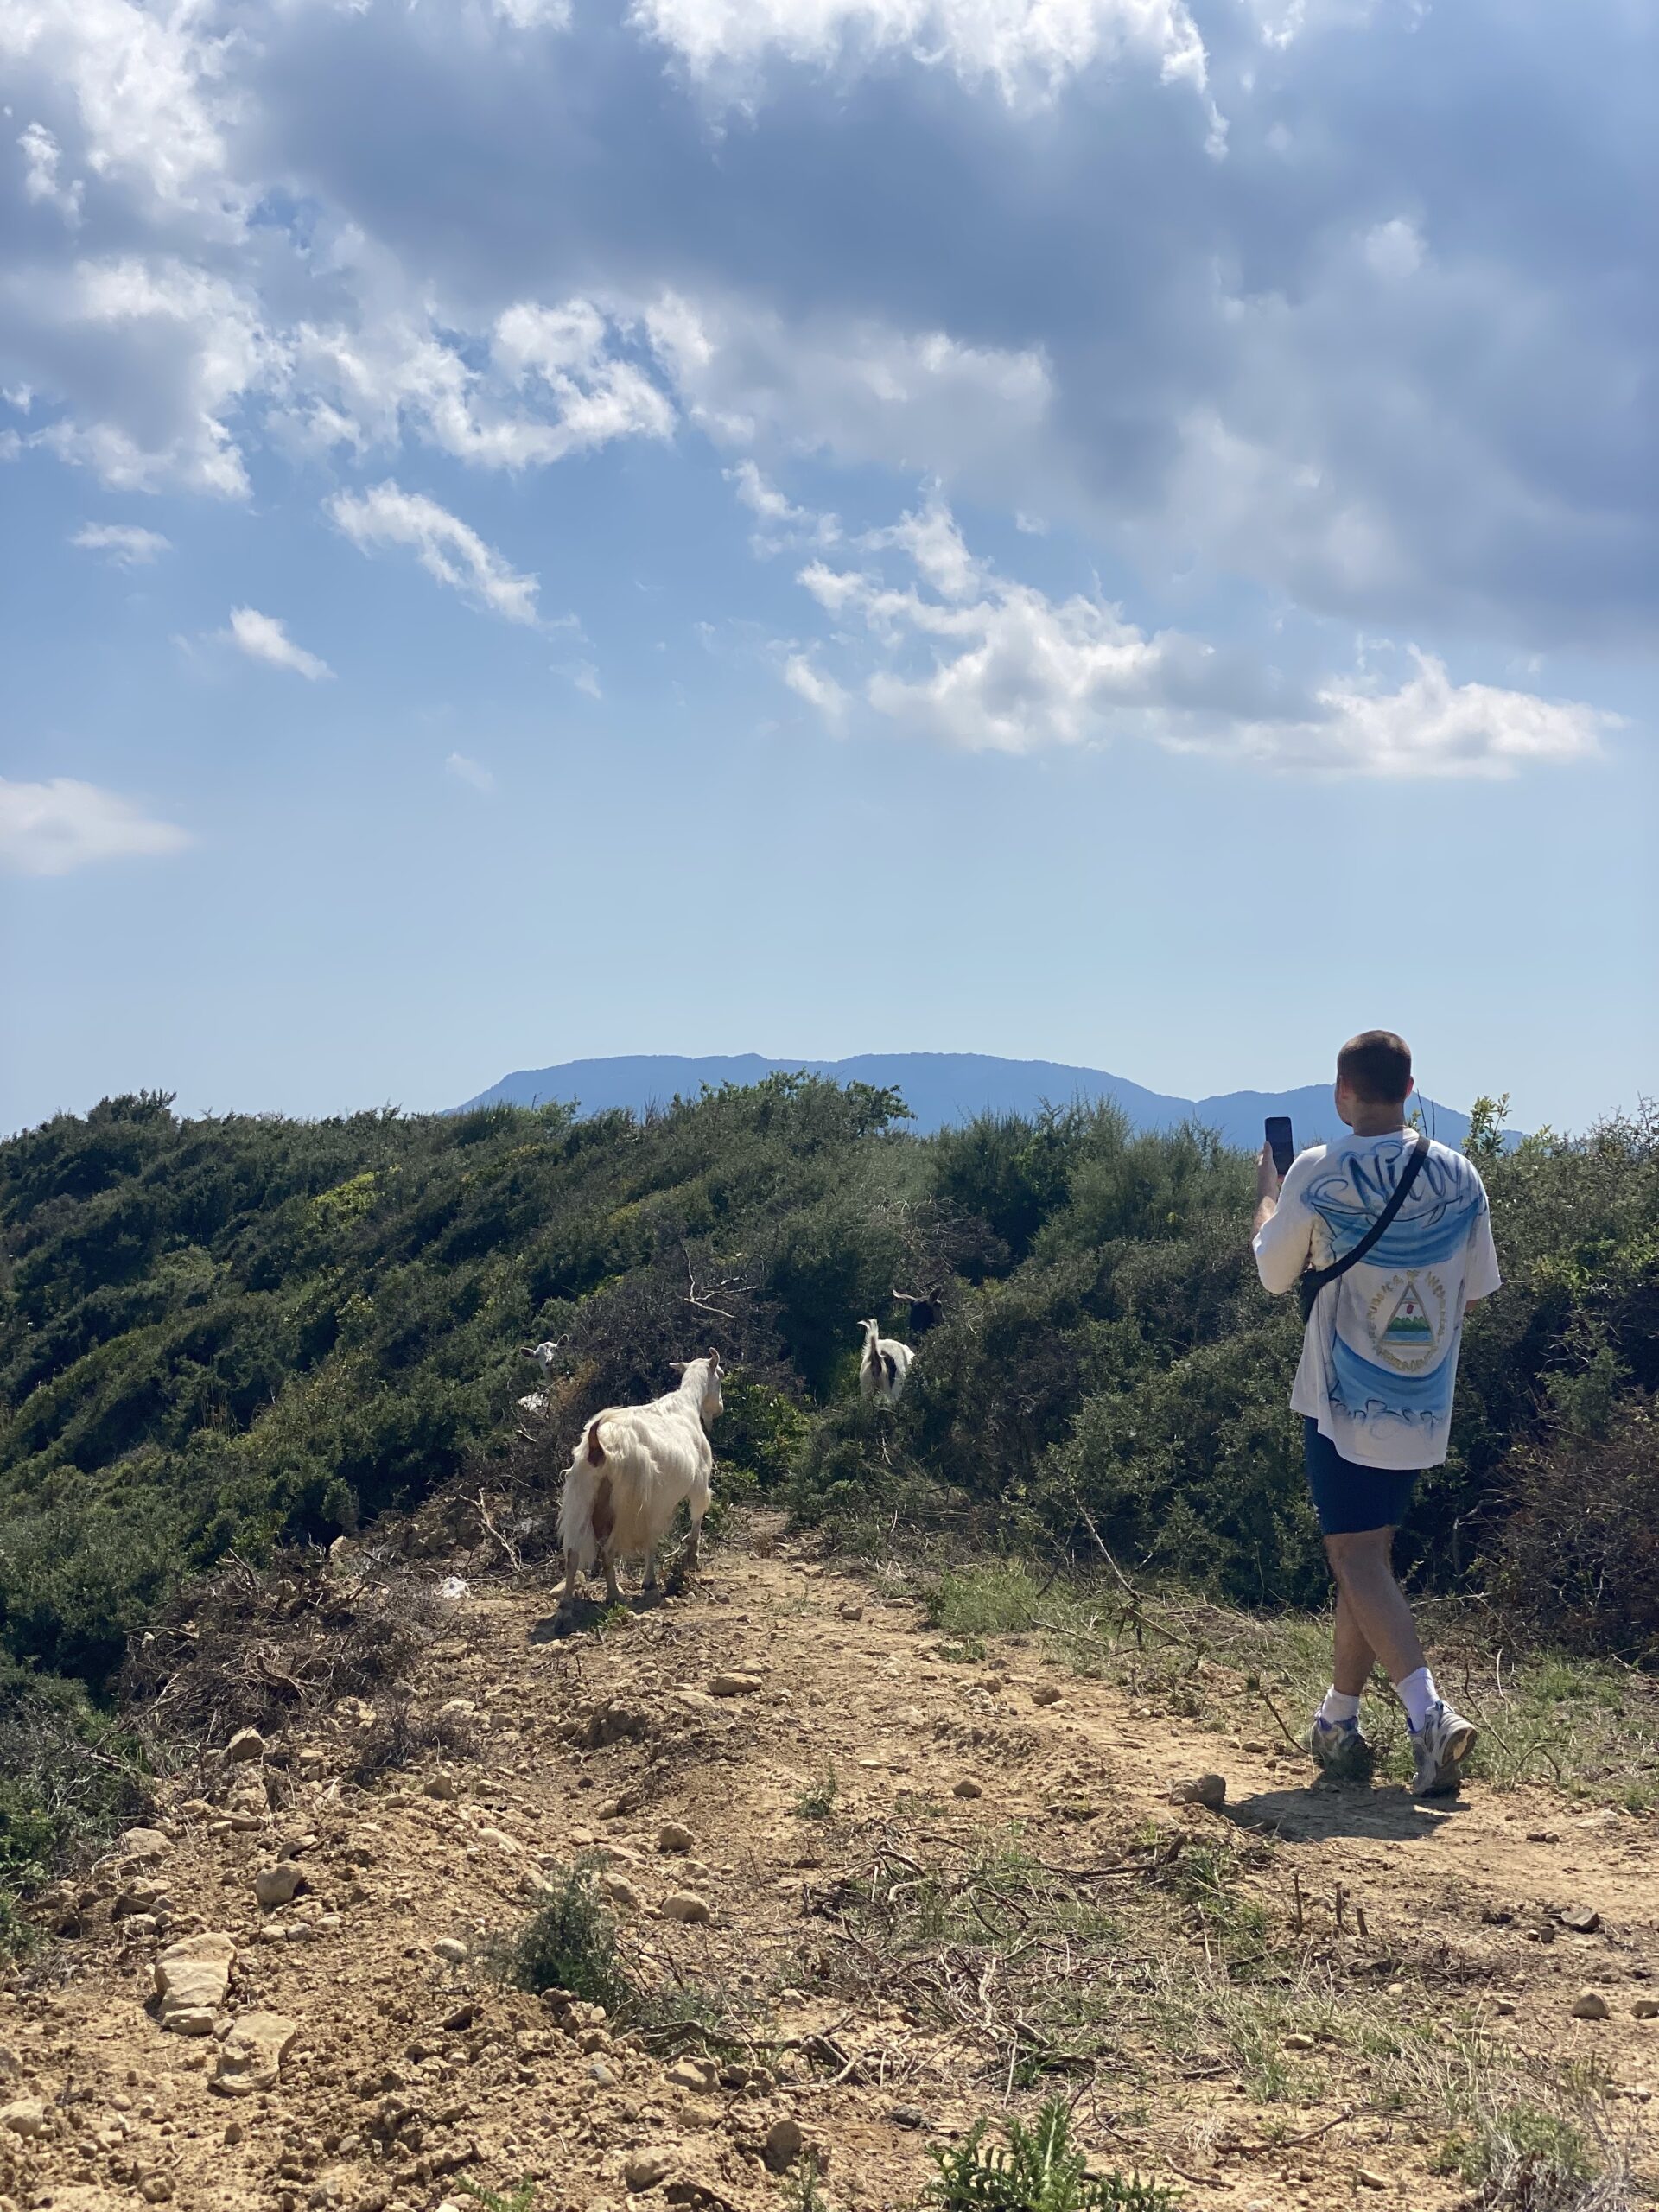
(1267, 1192)
(1282, 1232)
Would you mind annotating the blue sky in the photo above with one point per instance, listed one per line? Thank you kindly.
(1119, 530)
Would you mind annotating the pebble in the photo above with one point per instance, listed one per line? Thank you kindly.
(908, 2116)
(192, 1978)
(1582, 1919)
(601, 2075)
(1209, 1790)
(1645, 2008)
(1591, 2004)
(450, 1950)
(1301, 2042)
(142, 1843)
(252, 2055)
(698, 2074)
(674, 1836)
(736, 1683)
(439, 1785)
(25, 2117)
(278, 1885)
(246, 1744)
(783, 2144)
(1368, 2179)
(644, 2169)
(1046, 1694)
(686, 1905)
(967, 1787)
(621, 1893)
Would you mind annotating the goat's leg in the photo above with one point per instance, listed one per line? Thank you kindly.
(613, 1593)
(568, 1597)
(650, 1568)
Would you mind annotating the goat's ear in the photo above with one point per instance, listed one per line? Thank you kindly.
(679, 1366)
(714, 1358)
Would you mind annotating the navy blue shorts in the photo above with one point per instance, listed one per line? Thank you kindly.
(1348, 1499)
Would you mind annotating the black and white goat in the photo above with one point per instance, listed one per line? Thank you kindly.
(884, 1366)
(632, 1468)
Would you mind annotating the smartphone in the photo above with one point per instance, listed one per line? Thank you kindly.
(1280, 1142)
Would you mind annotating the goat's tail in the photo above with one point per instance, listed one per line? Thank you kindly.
(592, 1451)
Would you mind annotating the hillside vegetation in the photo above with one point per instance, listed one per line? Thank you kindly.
(223, 1334)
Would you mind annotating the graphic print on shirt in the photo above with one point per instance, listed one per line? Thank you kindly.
(1406, 1319)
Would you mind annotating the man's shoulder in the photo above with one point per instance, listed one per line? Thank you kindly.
(1454, 1169)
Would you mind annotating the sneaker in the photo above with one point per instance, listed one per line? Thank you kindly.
(1340, 1749)
(1439, 1748)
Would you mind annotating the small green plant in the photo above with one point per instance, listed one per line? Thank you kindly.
(802, 2192)
(814, 1800)
(569, 1943)
(521, 2199)
(1039, 2169)
(1528, 2159)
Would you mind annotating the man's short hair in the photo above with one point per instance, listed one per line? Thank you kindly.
(1376, 1067)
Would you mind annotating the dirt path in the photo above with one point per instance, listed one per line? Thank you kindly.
(857, 1783)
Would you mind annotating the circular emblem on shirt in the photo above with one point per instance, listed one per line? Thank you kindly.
(1406, 1320)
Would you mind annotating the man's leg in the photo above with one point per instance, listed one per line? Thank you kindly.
(1371, 1608)
(1352, 1658)
(1379, 1617)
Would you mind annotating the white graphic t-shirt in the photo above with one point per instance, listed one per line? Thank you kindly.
(1380, 1353)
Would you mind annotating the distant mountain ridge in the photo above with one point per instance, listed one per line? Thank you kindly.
(942, 1087)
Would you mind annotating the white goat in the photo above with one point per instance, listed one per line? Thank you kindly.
(629, 1473)
(882, 1369)
(534, 1402)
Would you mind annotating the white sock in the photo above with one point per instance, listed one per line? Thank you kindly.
(1417, 1694)
(1338, 1706)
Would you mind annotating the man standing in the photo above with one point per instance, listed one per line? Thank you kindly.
(1379, 1361)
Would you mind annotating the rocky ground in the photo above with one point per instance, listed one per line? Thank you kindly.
(882, 1887)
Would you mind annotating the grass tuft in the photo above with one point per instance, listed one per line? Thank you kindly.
(1035, 2168)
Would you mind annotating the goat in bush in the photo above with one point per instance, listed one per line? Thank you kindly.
(536, 1401)
(884, 1366)
(631, 1469)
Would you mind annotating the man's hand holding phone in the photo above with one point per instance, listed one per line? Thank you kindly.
(1273, 1165)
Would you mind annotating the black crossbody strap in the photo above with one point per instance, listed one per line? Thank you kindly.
(1315, 1279)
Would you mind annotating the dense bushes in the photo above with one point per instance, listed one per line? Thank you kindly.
(233, 1332)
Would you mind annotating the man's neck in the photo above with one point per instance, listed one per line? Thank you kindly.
(1379, 1121)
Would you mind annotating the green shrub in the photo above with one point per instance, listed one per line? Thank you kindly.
(1035, 2168)
(569, 1943)
(69, 1778)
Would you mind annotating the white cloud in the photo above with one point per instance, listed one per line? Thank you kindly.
(262, 637)
(1394, 249)
(935, 547)
(819, 690)
(125, 543)
(860, 390)
(170, 352)
(446, 547)
(584, 676)
(986, 663)
(1432, 726)
(554, 381)
(52, 828)
(465, 770)
(778, 523)
(141, 80)
(535, 15)
(42, 154)
(1029, 49)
